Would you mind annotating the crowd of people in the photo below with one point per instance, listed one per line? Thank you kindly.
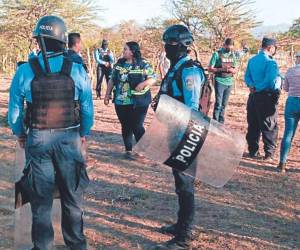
(59, 115)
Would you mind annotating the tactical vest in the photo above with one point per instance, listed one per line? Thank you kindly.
(225, 62)
(104, 55)
(206, 90)
(53, 104)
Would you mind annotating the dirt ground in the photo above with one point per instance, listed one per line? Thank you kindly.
(128, 200)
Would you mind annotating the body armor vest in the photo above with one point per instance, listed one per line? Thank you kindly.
(206, 90)
(225, 62)
(53, 104)
(104, 55)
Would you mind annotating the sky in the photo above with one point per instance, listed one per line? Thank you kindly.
(271, 12)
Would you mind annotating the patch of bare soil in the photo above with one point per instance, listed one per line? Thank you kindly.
(128, 200)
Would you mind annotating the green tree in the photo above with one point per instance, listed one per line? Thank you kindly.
(18, 19)
(294, 30)
(214, 20)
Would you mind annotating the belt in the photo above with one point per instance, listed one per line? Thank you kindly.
(74, 128)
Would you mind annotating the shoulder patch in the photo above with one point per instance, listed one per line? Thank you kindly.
(189, 81)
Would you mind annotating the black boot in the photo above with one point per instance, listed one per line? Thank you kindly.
(268, 157)
(182, 241)
(175, 244)
(254, 155)
(171, 229)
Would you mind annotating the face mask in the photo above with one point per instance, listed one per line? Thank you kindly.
(171, 51)
(227, 50)
(105, 46)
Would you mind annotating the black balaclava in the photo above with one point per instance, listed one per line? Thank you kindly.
(54, 45)
(175, 52)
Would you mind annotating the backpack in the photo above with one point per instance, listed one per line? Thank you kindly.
(206, 89)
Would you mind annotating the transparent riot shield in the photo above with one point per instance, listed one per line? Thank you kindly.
(23, 218)
(190, 142)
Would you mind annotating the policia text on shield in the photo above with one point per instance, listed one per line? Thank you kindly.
(59, 114)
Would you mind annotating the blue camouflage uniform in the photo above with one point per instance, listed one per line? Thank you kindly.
(192, 80)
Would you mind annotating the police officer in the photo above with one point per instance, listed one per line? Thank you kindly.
(105, 59)
(75, 48)
(187, 89)
(59, 115)
(261, 78)
(223, 64)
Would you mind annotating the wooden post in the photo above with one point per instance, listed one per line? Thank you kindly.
(94, 70)
(89, 63)
(292, 54)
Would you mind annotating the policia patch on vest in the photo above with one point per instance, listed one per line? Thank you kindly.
(189, 146)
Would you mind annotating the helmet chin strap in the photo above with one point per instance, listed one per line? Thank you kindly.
(44, 53)
(42, 45)
(55, 54)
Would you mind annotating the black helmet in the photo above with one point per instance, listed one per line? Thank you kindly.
(178, 33)
(51, 27)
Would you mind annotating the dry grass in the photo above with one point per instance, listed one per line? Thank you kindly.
(127, 201)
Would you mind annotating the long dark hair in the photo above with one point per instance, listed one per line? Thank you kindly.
(136, 51)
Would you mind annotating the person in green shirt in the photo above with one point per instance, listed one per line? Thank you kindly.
(223, 64)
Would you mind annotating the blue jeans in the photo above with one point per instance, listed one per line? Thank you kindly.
(55, 159)
(292, 117)
(222, 93)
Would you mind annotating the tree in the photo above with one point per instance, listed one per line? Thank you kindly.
(214, 20)
(294, 31)
(18, 19)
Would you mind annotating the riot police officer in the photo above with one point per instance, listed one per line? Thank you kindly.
(59, 115)
(182, 82)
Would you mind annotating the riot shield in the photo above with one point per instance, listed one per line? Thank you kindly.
(188, 141)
